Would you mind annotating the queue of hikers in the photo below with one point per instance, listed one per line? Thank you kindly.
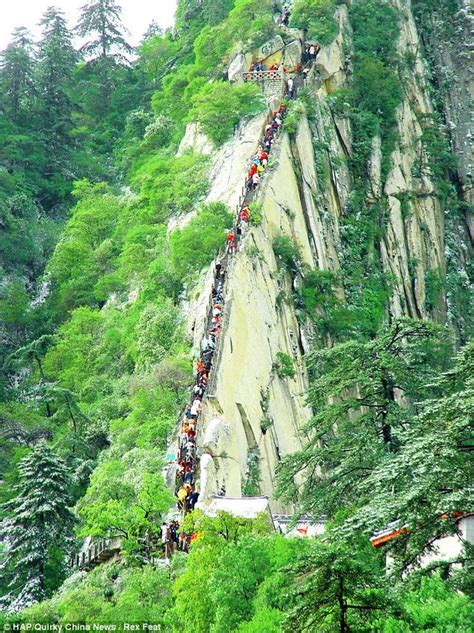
(174, 538)
(283, 18)
(186, 488)
(310, 53)
(260, 160)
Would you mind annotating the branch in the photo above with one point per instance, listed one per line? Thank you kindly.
(119, 529)
(361, 607)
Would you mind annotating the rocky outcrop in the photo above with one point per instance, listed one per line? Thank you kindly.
(194, 139)
(413, 247)
(250, 413)
(448, 40)
(333, 61)
(258, 408)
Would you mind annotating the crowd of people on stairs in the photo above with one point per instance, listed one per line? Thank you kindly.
(260, 160)
(186, 487)
(295, 76)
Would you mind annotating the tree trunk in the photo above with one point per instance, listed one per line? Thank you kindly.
(342, 607)
(74, 423)
(389, 396)
(40, 367)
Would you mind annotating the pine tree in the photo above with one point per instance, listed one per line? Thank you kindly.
(428, 482)
(363, 396)
(56, 62)
(17, 70)
(101, 18)
(37, 528)
(337, 585)
(153, 30)
(106, 51)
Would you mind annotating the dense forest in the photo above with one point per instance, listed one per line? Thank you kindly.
(105, 236)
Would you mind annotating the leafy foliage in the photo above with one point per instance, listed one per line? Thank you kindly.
(316, 18)
(126, 497)
(38, 528)
(347, 584)
(96, 361)
(102, 19)
(284, 366)
(109, 595)
(171, 185)
(286, 253)
(355, 393)
(194, 246)
(414, 490)
(218, 107)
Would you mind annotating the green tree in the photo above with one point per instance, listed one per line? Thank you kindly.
(226, 566)
(426, 494)
(287, 254)
(360, 394)
(194, 246)
(37, 528)
(193, 15)
(431, 606)
(85, 253)
(336, 586)
(28, 234)
(56, 61)
(34, 353)
(170, 185)
(113, 594)
(107, 52)
(17, 70)
(252, 22)
(219, 106)
(101, 20)
(127, 497)
(316, 18)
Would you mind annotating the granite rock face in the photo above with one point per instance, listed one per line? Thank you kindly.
(250, 412)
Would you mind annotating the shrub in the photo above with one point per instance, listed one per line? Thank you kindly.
(377, 89)
(157, 331)
(251, 483)
(171, 185)
(194, 246)
(210, 47)
(317, 291)
(252, 22)
(219, 106)
(256, 214)
(341, 101)
(434, 287)
(284, 366)
(375, 24)
(287, 253)
(159, 132)
(316, 17)
(296, 110)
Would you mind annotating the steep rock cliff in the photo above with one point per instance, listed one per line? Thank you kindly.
(251, 417)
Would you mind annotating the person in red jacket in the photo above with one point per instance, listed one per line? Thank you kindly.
(244, 215)
(263, 156)
(231, 246)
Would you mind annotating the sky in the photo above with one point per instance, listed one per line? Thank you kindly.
(136, 15)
